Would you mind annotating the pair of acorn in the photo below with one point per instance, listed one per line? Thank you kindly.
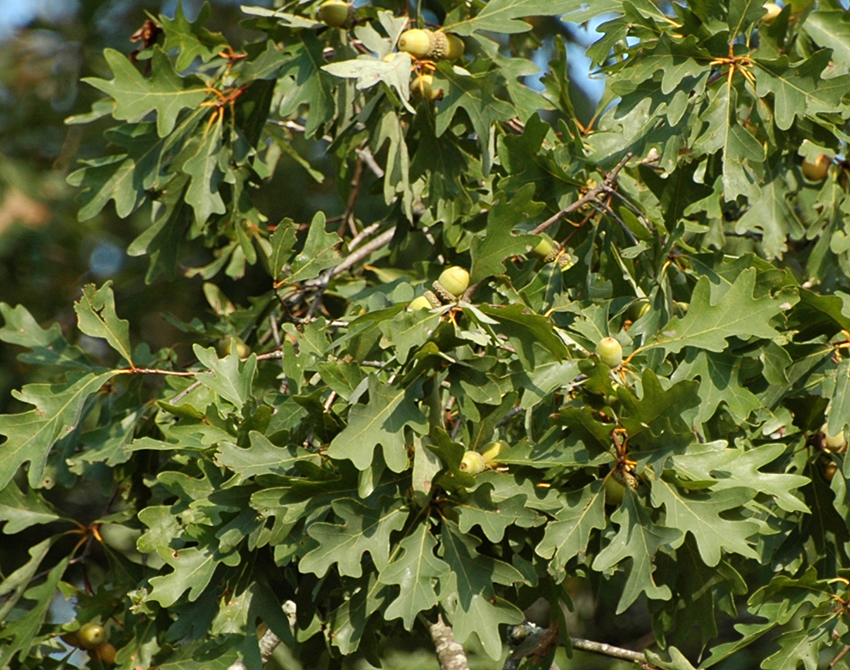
(421, 44)
(450, 285)
(92, 636)
(429, 45)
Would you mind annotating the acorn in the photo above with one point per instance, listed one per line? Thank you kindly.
(416, 42)
(626, 476)
(454, 48)
(427, 44)
(336, 13)
(452, 283)
(423, 87)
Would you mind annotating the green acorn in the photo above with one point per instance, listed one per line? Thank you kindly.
(431, 45)
(336, 13)
(452, 283)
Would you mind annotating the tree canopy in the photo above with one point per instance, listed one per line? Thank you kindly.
(457, 344)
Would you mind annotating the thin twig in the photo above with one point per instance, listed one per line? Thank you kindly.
(366, 156)
(841, 654)
(186, 391)
(606, 185)
(354, 191)
(154, 371)
(607, 650)
(381, 240)
(368, 231)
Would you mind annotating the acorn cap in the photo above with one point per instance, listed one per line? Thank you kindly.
(439, 45)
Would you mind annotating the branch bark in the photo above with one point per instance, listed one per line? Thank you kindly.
(450, 653)
(606, 186)
(607, 650)
(269, 641)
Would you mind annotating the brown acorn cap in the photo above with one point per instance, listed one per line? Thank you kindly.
(433, 299)
(439, 45)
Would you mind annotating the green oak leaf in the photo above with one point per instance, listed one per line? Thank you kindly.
(415, 572)
(381, 421)
(193, 568)
(202, 158)
(19, 634)
(509, 16)
(799, 647)
(190, 38)
(799, 89)
(231, 378)
(409, 330)
(309, 84)
(820, 314)
(365, 528)
(21, 510)
(831, 28)
(282, 241)
(478, 509)
(319, 252)
(526, 331)
(370, 71)
(720, 382)
(47, 345)
(712, 319)
(30, 435)
(699, 514)
(348, 623)
(839, 405)
(474, 95)
(261, 458)
(96, 317)
(740, 467)
(477, 609)
(15, 584)
(657, 404)
(569, 534)
(164, 92)
(636, 541)
(490, 250)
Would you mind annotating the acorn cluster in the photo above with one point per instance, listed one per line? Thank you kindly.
(92, 637)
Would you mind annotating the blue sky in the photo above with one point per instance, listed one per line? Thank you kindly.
(17, 13)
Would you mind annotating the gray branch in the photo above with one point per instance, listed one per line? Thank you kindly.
(269, 641)
(449, 651)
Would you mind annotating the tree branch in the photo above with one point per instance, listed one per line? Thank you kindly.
(607, 650)
(606, 185)
(269, 641)
(449, 651)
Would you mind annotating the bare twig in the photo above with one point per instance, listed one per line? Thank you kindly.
(606, 186)
(841, 654)
(154, 371)
(607, 650)
(366, 156)
(449, 651)
(368, 231)
(354, 191)
(381, 240)
(186, 391)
